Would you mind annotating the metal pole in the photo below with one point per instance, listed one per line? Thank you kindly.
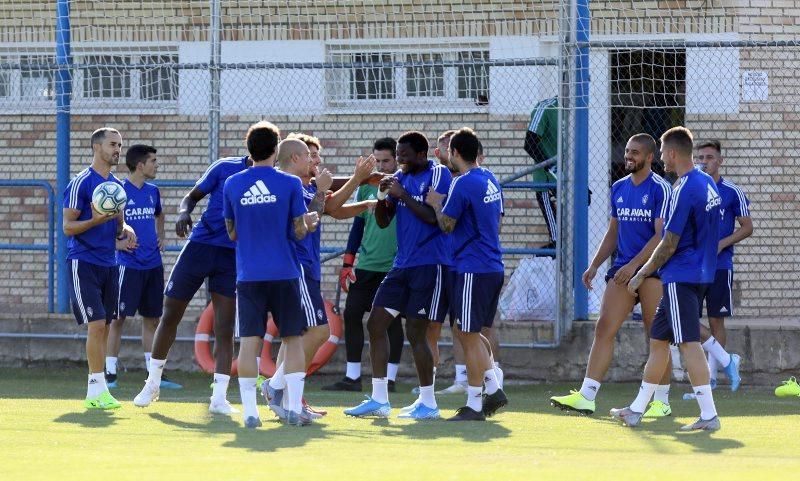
(63, 94)
(581, 164)
(214, 71)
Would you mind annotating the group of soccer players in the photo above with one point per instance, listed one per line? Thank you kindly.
(257, 244)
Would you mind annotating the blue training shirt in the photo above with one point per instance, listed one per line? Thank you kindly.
(418, 243)
(636, 208)
(211, 227)
(476, 202)
(694, 216)
(140, 213)
(98, 244)
(263, 203)
(308, 248)
(734, 204)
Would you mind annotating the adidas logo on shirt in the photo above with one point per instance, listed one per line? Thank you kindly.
(492, 193)
(620, 200)
(258, 194)
(712, 198)
(131, 202)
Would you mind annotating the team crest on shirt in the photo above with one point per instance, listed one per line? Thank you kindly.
(644, 199)
(121, 306)
(422, 187)
(152, 200)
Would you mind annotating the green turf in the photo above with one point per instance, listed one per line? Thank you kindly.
(46, 434)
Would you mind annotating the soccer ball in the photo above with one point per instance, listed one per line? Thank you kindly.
(109, 198)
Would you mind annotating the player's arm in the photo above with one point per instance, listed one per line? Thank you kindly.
(304, 224)
(607, 247)
(660, 256)
(362, 172)
(424, 212)
(384, 209)
(73, 226)
(627, 271)
(125, 231)
(744, 231)
(434, 200)
(184, 224)
(230, 225)
(160, 234)
(352, 209)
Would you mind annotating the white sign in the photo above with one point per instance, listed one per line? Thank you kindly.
(755, 86)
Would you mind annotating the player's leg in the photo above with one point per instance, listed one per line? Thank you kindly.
(396, 341)
(112, 350)
(432, 336)
(475, 304)
(616, 305)
(719, 304)
(392, 295)
(224, 321)
(489, 335)
(421, 304)
(459, 385)
(130, 282)
(650, 296)
(252, 305)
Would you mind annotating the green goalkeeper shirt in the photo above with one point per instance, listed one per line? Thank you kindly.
(378, 246)
(544, 123)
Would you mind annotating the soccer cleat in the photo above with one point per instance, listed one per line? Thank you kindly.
(111, 380)
(221, 406)
(411, 406)
(701, 424)
(574, 401)
(415, 390)
(167, 384)
(104, 401)
(252, 422)
(274, 399)
(346, 384)
(788, 388)
(657, 409)
(493, 402)
(457, 387)
(732, 371)
(466, 413)
(314, 412)
(297, 419)
(420, 411)
(370, 407)
(148, 395)
(628, 416)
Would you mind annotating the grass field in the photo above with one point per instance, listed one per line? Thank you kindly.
(46, 434)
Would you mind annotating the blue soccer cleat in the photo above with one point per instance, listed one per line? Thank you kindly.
(420, 411)
(732, 371)
(274, 399)
(167, 384)
(370, 407)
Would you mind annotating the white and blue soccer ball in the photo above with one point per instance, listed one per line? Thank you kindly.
(109, 198)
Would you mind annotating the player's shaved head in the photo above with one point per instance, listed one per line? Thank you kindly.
(646, 141)
(288, 148)
(680, 140)
(99, 135)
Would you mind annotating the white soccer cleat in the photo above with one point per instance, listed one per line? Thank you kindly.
(147, 396)
(221, 407)
(456, 388)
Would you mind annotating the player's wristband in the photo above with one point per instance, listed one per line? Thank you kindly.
(382, 195)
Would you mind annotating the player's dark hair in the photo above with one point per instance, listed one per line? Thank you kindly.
(309, 140)
(415, 140)
(645, 140)
(99, 135)
(262, 140)
(480, 148)
(137, 154)
(386, 143)
(714, 144)
(680, 139)
(466, 143)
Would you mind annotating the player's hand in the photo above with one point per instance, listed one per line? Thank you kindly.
(347, 271)
(588, 277)
(161, 245)
(624, 274)
(324, 180)
(395, 189)
(719, 247)
(312, 220)
(184, 225)
(385, 182)
(635, 283)
(122, 245)
(100, 217)
(434, 199)
(129, 234)
(371, 204)
(374, 179)
(364, 168)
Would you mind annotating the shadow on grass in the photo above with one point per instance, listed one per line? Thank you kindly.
(90, 418)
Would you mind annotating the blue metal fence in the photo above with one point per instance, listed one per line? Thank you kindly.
(50, 246)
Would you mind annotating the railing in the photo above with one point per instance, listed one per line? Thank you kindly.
(50, 246)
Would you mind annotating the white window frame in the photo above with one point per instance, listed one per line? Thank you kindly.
(401, 102)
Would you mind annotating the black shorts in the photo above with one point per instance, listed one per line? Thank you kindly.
(442, 301)
(475, 299)
(255, 300)
(719, 296)
(93, 291)
(198, 261)
(677, 318)
(141, 290)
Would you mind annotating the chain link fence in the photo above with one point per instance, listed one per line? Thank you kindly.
(352, 72)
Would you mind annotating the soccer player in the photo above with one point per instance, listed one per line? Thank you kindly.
(408, 287)
(264, 211)
(719, 296)
(541, 144)
(141, 272)
(376, 250)
(639, 205)
(473, 213)
(208, 254)
(91, 252)
(299, 156)
(687, 259)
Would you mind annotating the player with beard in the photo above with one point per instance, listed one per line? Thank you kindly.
(638, 208)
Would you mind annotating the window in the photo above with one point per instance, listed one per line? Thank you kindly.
(159, 82)
(407, 75)
(105, 76)
(36, 77)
